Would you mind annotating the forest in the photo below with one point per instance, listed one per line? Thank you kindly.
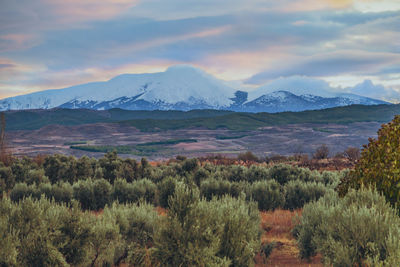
(58, 210)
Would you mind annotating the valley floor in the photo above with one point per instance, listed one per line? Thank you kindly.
(267, 141)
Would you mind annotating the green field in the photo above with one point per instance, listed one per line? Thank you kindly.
(209, 119)
(230, 137)
(104, 149)
(139, 149)
(75, 143)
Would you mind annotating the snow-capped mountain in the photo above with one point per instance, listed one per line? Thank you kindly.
(184, 87)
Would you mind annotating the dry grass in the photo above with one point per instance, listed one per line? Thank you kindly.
(277, 225)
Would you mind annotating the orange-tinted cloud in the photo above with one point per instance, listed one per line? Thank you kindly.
(17, 41)
(84, 10)
(362, 5)
(243, 64)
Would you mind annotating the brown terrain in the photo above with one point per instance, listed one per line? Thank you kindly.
(278, 225)
(267, 141)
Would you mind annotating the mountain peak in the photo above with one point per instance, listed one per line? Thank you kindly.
(185, 87)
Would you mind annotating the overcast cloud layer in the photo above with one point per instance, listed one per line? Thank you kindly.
(54, 43)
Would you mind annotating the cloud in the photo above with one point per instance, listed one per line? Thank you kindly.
(50, 41)
(331, 64)
(301, 85)
(369, 89)
(18, 16)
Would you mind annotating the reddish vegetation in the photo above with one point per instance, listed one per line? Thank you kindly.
(161, 211)
(277, 225)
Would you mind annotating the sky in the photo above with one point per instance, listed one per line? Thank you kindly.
(352, 45)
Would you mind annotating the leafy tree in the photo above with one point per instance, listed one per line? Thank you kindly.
(322, 152)
(110, 164)
(379, 164)
(7, 179)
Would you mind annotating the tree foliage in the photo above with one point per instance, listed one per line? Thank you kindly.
(379, 165)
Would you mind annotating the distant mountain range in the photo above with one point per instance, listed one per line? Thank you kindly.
(185, 88)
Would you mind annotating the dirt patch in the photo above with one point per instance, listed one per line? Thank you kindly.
(278, 225)
(195, 146)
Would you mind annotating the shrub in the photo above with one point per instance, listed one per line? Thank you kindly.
(146, 190)
(240, 236)
(62, 192)
(352, 153)
(360, 229)
(104, 238)
(212, 187)
(7, 178)
(298, 193)
(83, 192)
(22, 190)
(166, 188)
(75, 233)
(201, 233)
(322, 152)
(257, 173)
(190, 165)
(283, 173)
(186, 236)
(35, 225)
(102, 193)
(136, 224)
(267, 194)
(247, 156)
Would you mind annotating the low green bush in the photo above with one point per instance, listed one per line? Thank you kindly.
(298, 193)
(166, 188)
(361, 229)
(196, 232)
(212, 187)
(267, 194)
(136, 225)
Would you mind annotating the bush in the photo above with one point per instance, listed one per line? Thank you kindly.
(267, 194)
(359, 230)
(136, 224)
(146, 190)
(75, 233)
(212, 187)
(257, 173)
(22, 190)
(322, 152)
(104, 238)
(298, 193)
(33, 232)
(201, 233)
(7, 178)
(352, 153)
(166, 188)
(283, 173)
(83, 192)
(62, 192)
(247, 156)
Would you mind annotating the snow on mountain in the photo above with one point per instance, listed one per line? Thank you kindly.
(184, 87)
(176, 86)
(297, 85)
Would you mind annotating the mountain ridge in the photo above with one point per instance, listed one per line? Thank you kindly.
(183, 87)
